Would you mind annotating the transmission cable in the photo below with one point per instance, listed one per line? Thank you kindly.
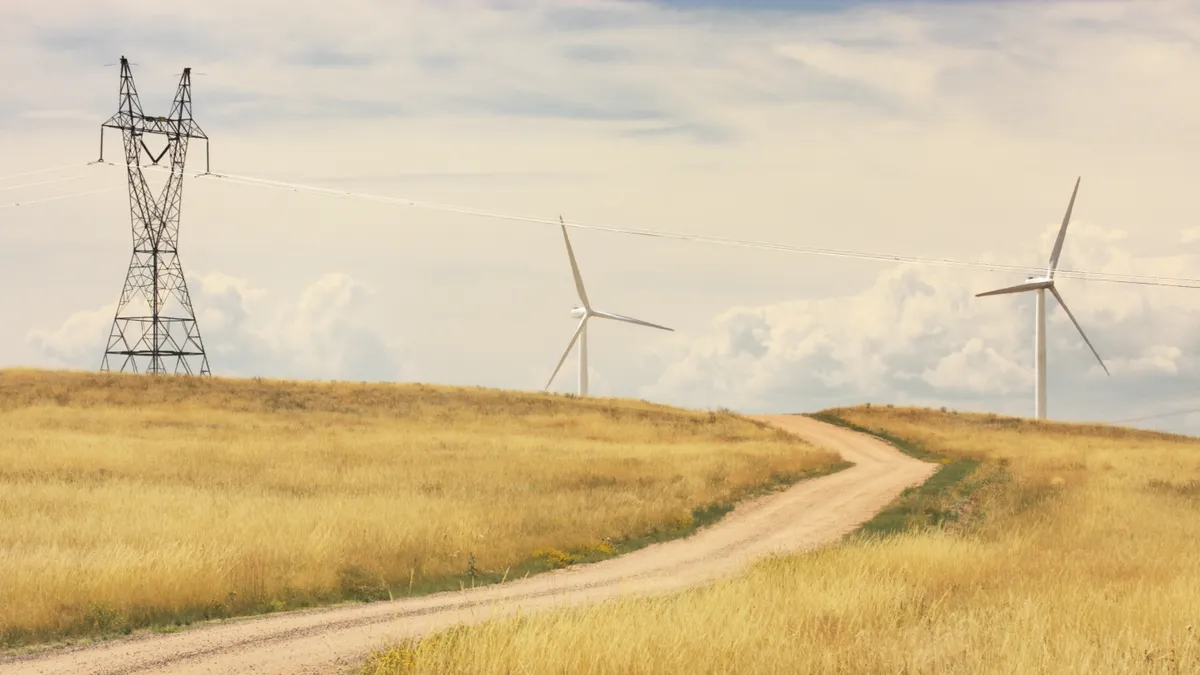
(1157, 416)
(76, 165)
(54, 199)
(41, 182)
(1111, 277)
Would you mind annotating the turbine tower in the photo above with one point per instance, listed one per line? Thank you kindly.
(1040, 285)
(155, 321)
(583, 313)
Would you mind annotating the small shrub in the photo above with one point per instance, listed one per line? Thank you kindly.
(554, 557)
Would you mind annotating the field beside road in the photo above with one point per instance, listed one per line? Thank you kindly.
(131, 501)
(1037, 548)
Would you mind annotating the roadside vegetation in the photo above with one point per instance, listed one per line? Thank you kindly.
(131, 501)
(1044, 548)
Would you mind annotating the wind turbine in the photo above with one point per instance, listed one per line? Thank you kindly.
(583, 313)
(1041, 284)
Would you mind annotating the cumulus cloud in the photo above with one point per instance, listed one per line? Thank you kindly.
(911, 330)
(80, 340)
(331, 331)
(917, 335)
(978, 369)
(1155, 358)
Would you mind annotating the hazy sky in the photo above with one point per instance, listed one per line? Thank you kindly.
(935, 129)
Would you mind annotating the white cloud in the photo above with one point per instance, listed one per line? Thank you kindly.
(80, 340)
(1153, 359)
(329, 332)
(978, 369)
(917, 335)
(912, 76)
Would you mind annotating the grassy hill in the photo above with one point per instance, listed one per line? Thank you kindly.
(1066, 549)
(131, 501)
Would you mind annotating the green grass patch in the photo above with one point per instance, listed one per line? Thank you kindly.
(936, 502)
(949, 498)
(910, 448)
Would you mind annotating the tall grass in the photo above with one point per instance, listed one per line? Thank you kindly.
(1077, 552)
(130, 501)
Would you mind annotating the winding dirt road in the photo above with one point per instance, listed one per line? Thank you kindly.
(809, 514)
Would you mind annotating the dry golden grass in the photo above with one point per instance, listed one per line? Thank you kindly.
(129, 500)
(1083, 556)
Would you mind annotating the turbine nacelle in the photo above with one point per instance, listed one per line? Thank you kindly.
(1032, 284)
(578, 312)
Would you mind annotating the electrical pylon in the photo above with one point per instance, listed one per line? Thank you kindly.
(164, 327)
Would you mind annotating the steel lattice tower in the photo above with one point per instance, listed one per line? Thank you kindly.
(155, 322)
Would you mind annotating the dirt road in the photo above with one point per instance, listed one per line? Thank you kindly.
(329, 640)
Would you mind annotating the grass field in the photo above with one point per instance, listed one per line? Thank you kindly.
(130, 501)
(1065, 549)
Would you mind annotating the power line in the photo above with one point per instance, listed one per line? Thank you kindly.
(41, 182)
(76, 165)
(1111, 277)
(1157, 416)
(54, 199)
(1124, 278)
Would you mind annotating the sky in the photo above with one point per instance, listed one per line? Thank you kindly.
(937, 129)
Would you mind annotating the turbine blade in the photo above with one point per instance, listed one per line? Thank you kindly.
(570, 344)
(1062, 231)
(574, 266)
(1066, 309)
(1019, 288)
(629, 319)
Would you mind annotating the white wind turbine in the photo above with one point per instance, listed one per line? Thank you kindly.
(584, 313)
(1041, 284)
